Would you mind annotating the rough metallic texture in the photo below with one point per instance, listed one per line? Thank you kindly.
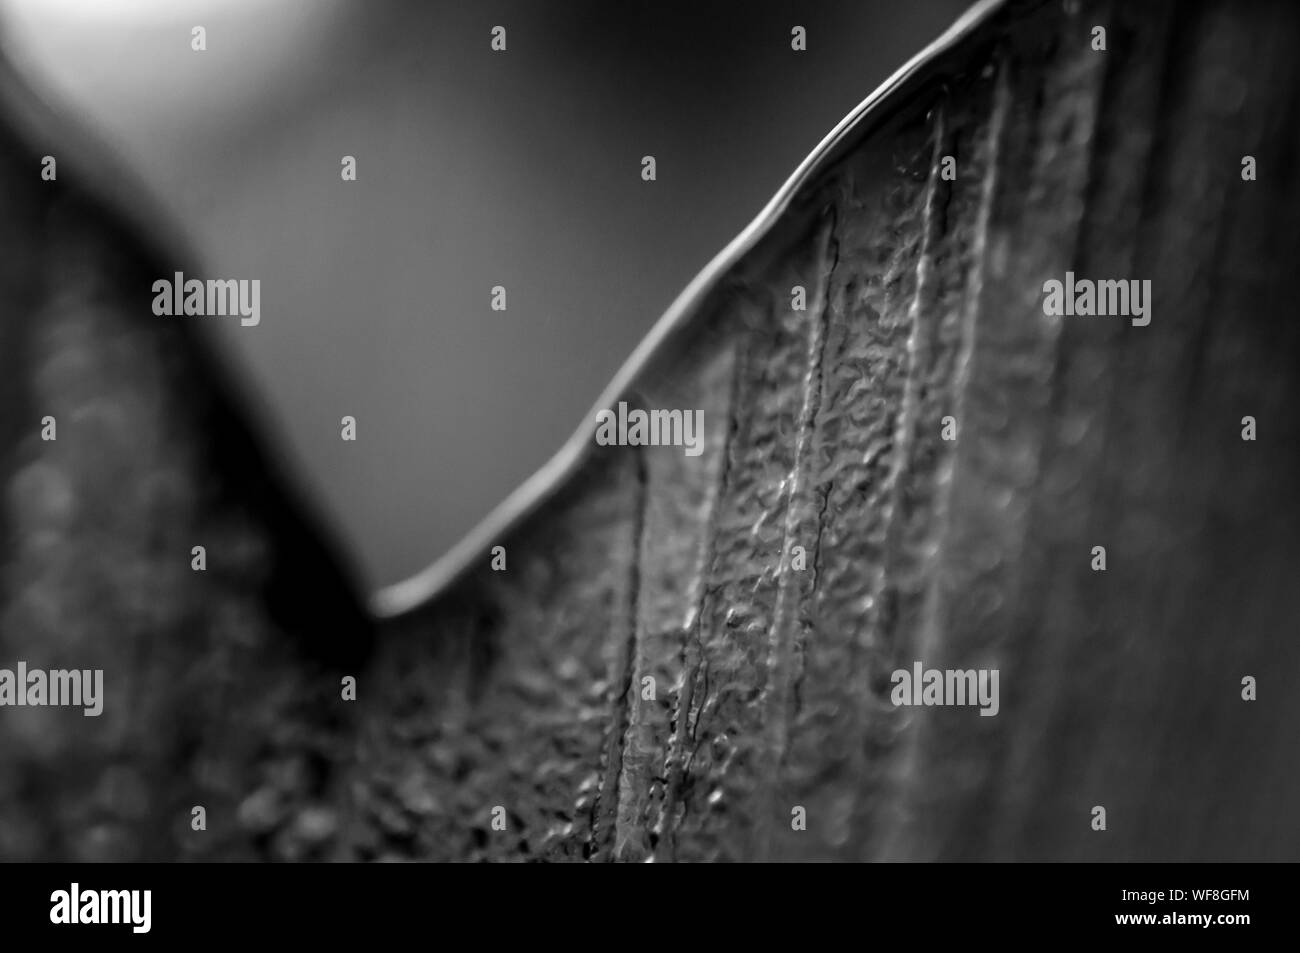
(526, 689)
(1119, 688)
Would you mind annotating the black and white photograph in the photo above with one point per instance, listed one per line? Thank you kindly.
(769, 432)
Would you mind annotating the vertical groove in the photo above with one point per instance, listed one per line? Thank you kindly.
(970, 320)
(605, 810)
(979, 589)
(676, 760)
(921, 347)
(894, 839)
(679, 500)
(920, 342)
(782, 636)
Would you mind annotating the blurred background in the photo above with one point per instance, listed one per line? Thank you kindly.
(474, 169)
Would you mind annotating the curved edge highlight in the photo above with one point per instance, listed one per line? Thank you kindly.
(416, 591)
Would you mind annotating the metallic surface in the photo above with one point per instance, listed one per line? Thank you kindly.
(524, 689)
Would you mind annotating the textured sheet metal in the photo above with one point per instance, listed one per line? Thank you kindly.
(523, 690)
(1119, 688)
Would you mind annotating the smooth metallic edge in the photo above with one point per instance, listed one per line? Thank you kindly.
(417, 590)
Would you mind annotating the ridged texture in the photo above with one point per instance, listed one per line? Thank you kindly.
(1118, 688)
(650, 678)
